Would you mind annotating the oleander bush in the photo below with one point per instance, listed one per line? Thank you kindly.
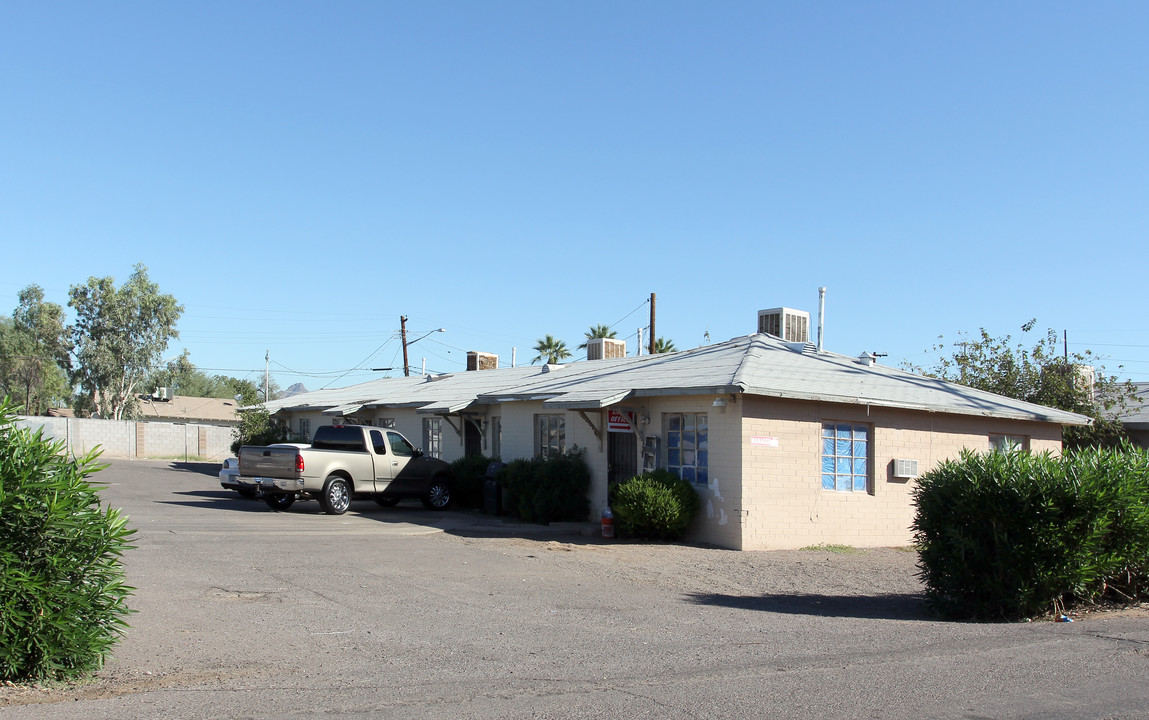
(546, 490)
(468, 474)
(1010, 535)
(62, 592)
(658, 505)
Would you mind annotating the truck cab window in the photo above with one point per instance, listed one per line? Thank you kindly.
(399, 445)
(377, 443)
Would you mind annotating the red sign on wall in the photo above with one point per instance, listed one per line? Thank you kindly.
(618, 421)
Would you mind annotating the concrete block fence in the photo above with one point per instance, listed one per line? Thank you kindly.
(132, 439)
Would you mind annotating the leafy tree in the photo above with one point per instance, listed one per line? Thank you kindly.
(119, 336)
(1042, 375)
(550, 350)
(662, 345)
(34, 352)
(597, 331)
(186, 379)
(248, 392)
(256, 427)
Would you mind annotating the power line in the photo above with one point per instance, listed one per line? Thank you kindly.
(624, 317)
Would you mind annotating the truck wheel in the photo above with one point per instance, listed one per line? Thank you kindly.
(387, 500)
(438, 496)
(279, 501)
(336, 497)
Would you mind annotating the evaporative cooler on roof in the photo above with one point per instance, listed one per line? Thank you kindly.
(785, 323)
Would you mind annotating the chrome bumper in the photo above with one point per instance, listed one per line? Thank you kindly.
(277, 484)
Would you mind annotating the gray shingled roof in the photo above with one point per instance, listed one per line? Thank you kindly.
(753, 365)
(1136, 414)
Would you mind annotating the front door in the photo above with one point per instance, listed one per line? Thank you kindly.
(621, 456)
(472, 438)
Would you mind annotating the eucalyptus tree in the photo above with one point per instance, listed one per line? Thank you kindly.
(120, 335)
(34, 353)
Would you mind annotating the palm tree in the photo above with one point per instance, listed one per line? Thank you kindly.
(662, 345)
(597, 331)
(550, 350)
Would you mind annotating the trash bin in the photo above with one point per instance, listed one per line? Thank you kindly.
(492, 490)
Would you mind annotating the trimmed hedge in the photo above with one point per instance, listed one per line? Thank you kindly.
(468, 472)
(1009, 535)
(546, 490)
(62, 595)
(657, 505)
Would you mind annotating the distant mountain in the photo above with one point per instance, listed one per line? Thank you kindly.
(296, 389)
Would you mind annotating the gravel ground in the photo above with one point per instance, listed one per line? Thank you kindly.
(398, 613)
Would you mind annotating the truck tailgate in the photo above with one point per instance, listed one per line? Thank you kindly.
(269, 462)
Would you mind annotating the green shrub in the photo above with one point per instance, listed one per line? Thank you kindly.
(1013, 535)
(546, 490)
(657, 505)
(256, 427)
(62, 596)
(518, 479)
(468, 472)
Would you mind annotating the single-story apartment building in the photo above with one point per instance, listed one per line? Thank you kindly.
(787, 445)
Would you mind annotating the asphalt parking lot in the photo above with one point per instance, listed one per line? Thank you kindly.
(406, 613)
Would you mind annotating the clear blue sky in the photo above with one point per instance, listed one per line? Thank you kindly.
(299, 174)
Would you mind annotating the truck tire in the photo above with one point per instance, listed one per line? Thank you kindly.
(438, 496)
(279, 501)
(336, 496)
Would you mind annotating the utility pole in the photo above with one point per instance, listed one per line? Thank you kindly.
(652, 333)
(639, 350)
(403, 334)
(266, 373)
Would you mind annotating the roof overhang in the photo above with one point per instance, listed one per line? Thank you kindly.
(595, 400)
(446, 407)
(348, 409)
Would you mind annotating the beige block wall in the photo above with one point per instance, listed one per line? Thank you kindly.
(784, 504)
(722, 518)
(131, 439)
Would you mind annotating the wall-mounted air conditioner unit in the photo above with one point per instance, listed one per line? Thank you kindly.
(905, 468)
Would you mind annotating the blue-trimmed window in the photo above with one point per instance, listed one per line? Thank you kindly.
(688, 446)
(845, 457)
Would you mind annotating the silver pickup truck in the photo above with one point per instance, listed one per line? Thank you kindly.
(345, 461)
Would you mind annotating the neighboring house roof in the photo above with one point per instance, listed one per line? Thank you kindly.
(189, 409)
(754, 364)
(1136, 415)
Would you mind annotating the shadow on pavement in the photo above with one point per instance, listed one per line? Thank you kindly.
(869, 607)
(200, 468)
(217, 500)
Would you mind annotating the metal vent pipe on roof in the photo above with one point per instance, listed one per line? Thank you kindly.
(821, 314)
